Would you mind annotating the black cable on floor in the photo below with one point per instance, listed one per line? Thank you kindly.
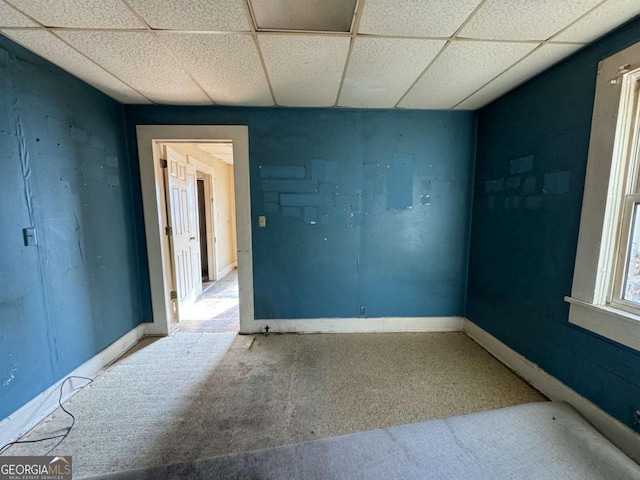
(61, 436)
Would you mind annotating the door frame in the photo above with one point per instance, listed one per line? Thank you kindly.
(210, 230)
(149, 138)
(210, 213)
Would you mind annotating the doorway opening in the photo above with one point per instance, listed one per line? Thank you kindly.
(199, 192)
(204, 231)
(198, 230)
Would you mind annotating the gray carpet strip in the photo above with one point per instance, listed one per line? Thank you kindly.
(542, 441)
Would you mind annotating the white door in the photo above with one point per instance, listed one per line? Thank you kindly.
(185, 239)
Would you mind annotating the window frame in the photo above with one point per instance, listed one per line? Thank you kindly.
(596, 301)
(616, 298)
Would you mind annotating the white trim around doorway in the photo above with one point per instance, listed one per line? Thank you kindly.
(153, 203)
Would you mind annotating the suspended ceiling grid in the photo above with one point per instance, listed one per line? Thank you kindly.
(411, 54)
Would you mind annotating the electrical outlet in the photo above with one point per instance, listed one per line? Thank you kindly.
(262, 221)
(30, 237)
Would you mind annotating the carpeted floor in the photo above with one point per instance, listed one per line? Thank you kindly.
(533, 441)
(197, 395)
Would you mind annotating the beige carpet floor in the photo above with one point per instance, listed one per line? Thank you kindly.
(197, 395)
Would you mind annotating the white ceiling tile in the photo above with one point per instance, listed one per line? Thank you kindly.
(80, 13)
(197, 15)
(56, 51)
(305, 70)
(139, 59)
(406, 18)
(231, 76)
(524, 19)
(382, 69)
(463, 67)
(10, 17)
(539, 60)
(602, 20)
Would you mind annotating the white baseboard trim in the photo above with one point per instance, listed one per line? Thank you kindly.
(357, 325)
(156, 329)
(226, 270)
(33, 412)
(617, 432)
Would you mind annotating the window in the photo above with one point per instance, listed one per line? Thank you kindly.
(605, 296)
(626, 285)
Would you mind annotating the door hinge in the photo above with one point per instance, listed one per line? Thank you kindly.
(168, 231)
(163, 163)
(174, 295)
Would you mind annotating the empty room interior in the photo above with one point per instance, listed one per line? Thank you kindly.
(304, 239)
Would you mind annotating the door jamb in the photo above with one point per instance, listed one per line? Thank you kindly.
(210, 214)
(153, 202)
(210, 226)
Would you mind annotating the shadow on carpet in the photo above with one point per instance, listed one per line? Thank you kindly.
(546, 440)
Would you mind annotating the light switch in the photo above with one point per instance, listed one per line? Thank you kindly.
(262, 221)
(30, 237)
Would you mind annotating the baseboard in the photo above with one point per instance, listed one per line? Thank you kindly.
(357, 325)
(617, 432)
(226, 270)
(29, 415)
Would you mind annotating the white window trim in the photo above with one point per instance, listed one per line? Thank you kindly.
(605, 186)
(617, 297)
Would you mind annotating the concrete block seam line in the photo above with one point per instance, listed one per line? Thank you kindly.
(613, 429)
(25, 167)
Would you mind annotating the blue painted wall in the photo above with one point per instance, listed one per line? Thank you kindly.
(65, 171)
(367, 215)
(367, 211)
(530, 170)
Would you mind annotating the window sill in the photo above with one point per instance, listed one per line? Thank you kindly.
(617, 325)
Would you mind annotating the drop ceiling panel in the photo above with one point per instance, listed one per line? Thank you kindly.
(309, 15)
(602, 20)
(10, 17)
(138, 59)
(197, 15)
(524, 19)
(80, 13)
(462, 68)
(56, 51)
(305, 70)
(408, 18)
(539, 60)
(227, 66)
(209, 54)
(382, 69)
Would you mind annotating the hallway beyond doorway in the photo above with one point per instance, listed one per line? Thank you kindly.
(216, 309)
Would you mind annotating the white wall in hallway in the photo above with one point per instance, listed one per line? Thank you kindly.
(223, 202)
